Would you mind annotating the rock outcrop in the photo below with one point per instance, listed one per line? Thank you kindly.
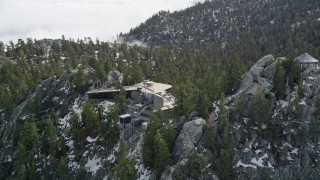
(284, 146)
(262, 73)
(188, 138)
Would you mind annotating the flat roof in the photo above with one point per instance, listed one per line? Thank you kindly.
(153, 87)
(125, 116)
(127, 88)
(147, 86)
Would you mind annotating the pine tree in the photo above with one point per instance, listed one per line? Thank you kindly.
(110, 128)
(317, 106)
(169, 135)
(148, 146)
(304, 134)
(76, 131)
(80, 81)
(260, 109)
(195, 165)
(121, 103)
(279, 81)
(90, 117)
(29, 136)
(300, 89)
(82, 172)
(20, 158)
(49, 139)
(163, 156)
(62, 170)
(63, 148)
(33, 174)
(124, 168)
(297, 107)
(226, 153)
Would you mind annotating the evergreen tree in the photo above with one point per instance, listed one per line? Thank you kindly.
(185, 99)
(121, 103)
(204, 105)
(169, 135)
(80, 81)
(209, 139)
(63, 148)
(62, 170)
(49, 139)
(20, 158)
(232, 77)
(264, 174)
(279, 81)
(317, 106)
(195, 165)
(110, 128)
(300, 89)
(82, 172)
(148, 146)
(163, 156)
(260, 109)
(76, 131)
(304, 134)
(33, 174)
(124, 168)
(297, 107)
(90, 117)
(226, 153)
(29, 135)
(100, 74)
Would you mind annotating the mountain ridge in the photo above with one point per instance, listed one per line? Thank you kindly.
(270, 26)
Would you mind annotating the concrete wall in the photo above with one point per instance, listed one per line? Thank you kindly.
(157, 102)
(134, 95)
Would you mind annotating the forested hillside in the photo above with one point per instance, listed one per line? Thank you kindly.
(238, 112)
(47, 121)
(244, 27)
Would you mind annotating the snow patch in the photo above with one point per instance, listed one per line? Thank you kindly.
(295, 151)
(245, 120)
(246, 150)
(302, 102)
(112, 157)
(287, 144)
(91, 140)
(283, 103)
(93, 164)
(275, 114)
(312, 78)
(258, 151)
(64, 122)
(259, 162)
(106, 105)
(239, 164)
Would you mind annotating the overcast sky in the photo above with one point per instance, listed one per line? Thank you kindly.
(102, 19)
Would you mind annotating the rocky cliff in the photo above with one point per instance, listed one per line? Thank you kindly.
(283, 145)
(274, 137)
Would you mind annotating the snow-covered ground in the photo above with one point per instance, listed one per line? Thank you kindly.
(93, 163)
(144, 173)
(106, 105)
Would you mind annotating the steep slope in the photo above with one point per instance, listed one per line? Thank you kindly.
(276, 136)
(270, 26)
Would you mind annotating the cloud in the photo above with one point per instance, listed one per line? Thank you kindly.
(102, 19)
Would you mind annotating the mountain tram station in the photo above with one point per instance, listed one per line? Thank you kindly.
(147, 97)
